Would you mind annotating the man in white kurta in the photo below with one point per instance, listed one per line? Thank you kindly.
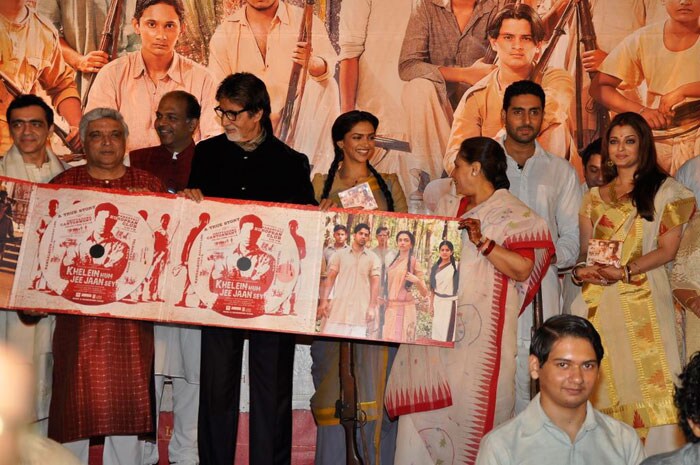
(643, 57)
(549, 185)
(30, 159)
(369, 76)
(233, 48)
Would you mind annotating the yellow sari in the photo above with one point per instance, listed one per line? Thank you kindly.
(636, 321)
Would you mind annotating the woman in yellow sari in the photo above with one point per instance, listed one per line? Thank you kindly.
(631, 304)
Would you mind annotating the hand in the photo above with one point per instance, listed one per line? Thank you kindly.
(371, 314)
(410, 277)
(71, 157)
(192, 194)
(92, 62)
(693, 304)
(592, 59)
(591, 274)
(669, 100)
(326, 204)
(473, 227)
(74, 141)
(478, 69)
(655, 118)
(323, 310)
(302, 53)
(611, 273)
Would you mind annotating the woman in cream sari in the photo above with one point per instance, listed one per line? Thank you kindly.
(631, 305)
(449, 398)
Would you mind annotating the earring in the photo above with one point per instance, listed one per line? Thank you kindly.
(474, 173)
(610, 163)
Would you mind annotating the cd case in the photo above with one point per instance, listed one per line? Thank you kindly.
(359, 196)
(604, 252)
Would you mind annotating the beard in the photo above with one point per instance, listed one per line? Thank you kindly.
(522, 139)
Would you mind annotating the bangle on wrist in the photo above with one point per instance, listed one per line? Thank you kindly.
(574, 278)
(483, 244)
(690, 299)
(489, 249)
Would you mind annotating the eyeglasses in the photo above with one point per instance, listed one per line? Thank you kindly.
(230, 115)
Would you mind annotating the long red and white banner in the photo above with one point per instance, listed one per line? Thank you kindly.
(218, 262)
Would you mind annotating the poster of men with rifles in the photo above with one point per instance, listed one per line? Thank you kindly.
(421, 72)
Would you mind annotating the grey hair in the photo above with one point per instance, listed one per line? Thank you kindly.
(99, 113)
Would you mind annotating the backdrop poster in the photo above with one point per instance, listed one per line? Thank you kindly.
(219, 262)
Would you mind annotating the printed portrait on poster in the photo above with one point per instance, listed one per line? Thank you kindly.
(389, 277)
(96, 254)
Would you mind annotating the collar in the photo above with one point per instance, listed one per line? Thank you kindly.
(535, 419)
(251, 145)
(176, 155)
(174, 71)
(539, 151)
(281, 15)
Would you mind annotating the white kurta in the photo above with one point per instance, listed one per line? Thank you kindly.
(366, 34)
(233, 49)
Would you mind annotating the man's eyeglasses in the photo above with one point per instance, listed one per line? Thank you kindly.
(230, 115)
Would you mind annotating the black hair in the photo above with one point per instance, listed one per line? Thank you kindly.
(491, 156)
(436, 267)
(687, 397)
(343, 125)
(517, 11)
(523, 87)
(561, 326)
(29, 100)
(648, 177)
(381, 228)
(360, 226)
(193, 110)
(411, 237)
(141, 6)
(248, 91)
(340, 227)
(591, 149)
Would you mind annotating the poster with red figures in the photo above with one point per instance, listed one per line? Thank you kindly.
(234, 264)
(245, 265)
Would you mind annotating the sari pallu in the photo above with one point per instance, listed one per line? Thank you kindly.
(449, 398)
(636, 321)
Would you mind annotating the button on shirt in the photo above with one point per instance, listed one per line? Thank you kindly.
(532, 438)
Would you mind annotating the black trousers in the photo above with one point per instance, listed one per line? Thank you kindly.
(271, 363)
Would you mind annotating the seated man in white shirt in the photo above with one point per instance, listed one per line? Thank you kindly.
(560, 426)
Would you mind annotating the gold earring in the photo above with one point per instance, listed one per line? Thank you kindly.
(474, 173)
(610, 163)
